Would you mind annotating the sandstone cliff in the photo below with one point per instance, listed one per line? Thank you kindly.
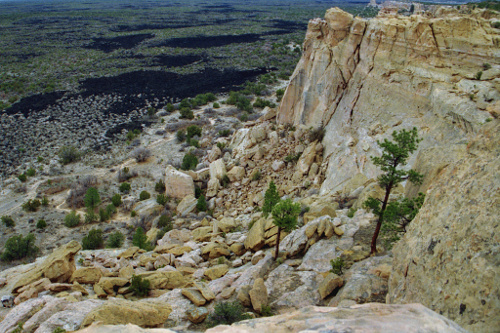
(362, 79)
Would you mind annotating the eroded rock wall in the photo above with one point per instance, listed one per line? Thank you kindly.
(362, 79)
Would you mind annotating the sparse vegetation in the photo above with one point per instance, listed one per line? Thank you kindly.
(139, 286)
(22, 178)
(144, 195)
(165, 222)
(189, 162)
(41, 224)
(141, 154)
(8, 221)
(93, 240)
(161, 199)
(125, 187)
(337, 265)
(68, 154)
(160, 186)
(19, 247)
(115, 240)
(256, 175)
(141, 240)
(201, 204)
(31, 205)
(226, 313)
(116, 200)
(72, 219)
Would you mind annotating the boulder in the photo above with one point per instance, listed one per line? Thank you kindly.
(255, 239)
(258, 295)
(87, 275)
(197, 315)
(236, 174)
(194, 296)
(126, 272)
(165, 280)
(129, 253)
(178, 184)
(217, 169)
(108, 284)
(226, 224)
(202, 234)
(57, 267)
(307, 158)
(147, 313)
(329, 284)
(216, 271)
(205, 290)
(321, 209)
(213, 187)
(187, 205)
(365, 318)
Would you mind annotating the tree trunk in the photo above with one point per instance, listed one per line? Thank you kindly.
(277, 244)
(380, 219)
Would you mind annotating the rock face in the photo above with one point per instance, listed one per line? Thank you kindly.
(448, 259)
(365, 318)
(362, 79)
(98, 328)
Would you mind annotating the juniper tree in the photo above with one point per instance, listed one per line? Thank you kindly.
(394, 155)
(285, 215)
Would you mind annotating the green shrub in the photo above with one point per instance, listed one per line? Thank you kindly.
(351, 213)
(116, 200)
(194, 143)
(256, 175)
(92, 198)
(262, 103)
(165, 222)
(31, 205)
(221, 145)
(189, 162)
(186, 113)
(90, 216)
(201, 204)
(216, 105)
(8, 221)
(141, 240)
(41, 224)
(139, 286)
(125, 187)
(68, 154)
(103, 215)
(292, 157)
(22, 177)
(266, 310)
(225, 132)
(115, 240)
(59, 330)
(161, 199)
(486, 66)
(181, 135)
(133, 213)
(170, 107)
(496, 25)
(144, 195)
(226, 313)
(30, 172)
(225, 181)
(244, 117)
(337, 265)
(193, 131)
(45, 201)
(279, 94)
(160, 186)
(72, 220)
(18, 247)
(271, 198)
(93, 240)
(478, 75)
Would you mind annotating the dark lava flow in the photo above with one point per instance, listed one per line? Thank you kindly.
(203, 42)
(34, 103)
(121, 42)
(136, 87)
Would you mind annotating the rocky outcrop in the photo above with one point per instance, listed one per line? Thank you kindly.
(365, 318)
(57, 267)
(178, 184)
(448, 259)
(362, 79)
(99, 328)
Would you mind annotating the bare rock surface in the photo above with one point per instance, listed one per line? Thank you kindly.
(365, 318)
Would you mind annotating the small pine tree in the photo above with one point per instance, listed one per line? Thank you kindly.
(394, 155)
(271, 198)
(139, 286)
(201, 205)
(93, 240)
(18, 247)
(116, 200)
(115, 240)
(141, 240)
(91, 198)
(285, 215)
